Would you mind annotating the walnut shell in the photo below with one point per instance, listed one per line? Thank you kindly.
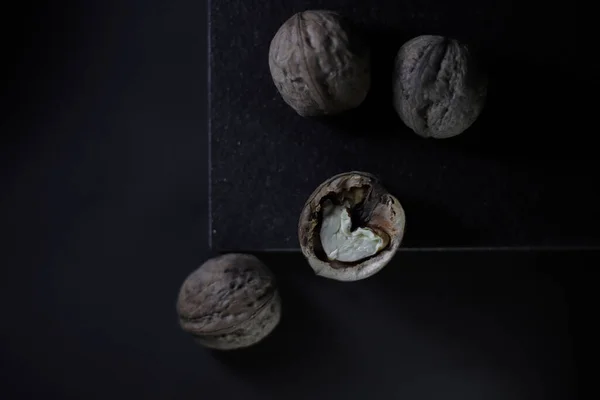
(438, 89)
(319, 64)
(230, 302)
(370, 206)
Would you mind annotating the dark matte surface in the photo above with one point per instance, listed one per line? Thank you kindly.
(523, 175)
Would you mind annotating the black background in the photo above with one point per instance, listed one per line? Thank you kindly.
(104, 213)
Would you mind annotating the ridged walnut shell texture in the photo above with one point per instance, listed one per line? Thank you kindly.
(439, 91)
(230, 302)
(382, 211)
(319, 64)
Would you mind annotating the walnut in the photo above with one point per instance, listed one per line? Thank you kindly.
(350, 227)
(230, 302)
(319, 64)
(438, 89)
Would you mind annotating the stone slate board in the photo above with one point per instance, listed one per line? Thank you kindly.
(523, 175)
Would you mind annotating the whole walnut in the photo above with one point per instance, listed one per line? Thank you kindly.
(319, 64)
(230, 302)
(439, 90)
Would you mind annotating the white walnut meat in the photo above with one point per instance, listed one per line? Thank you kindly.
(439, 91)
(350, 227)
(319, 64)
(230, 302)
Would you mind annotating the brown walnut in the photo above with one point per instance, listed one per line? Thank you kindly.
(319, 64)
(230, 302)
(439, 91)
(350, 227)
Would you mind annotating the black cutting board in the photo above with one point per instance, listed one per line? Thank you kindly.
(523, 175)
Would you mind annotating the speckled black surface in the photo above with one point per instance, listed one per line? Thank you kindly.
(523, 175)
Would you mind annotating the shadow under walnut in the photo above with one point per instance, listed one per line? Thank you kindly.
(376, 115)
(533, 112)
(303, 335)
